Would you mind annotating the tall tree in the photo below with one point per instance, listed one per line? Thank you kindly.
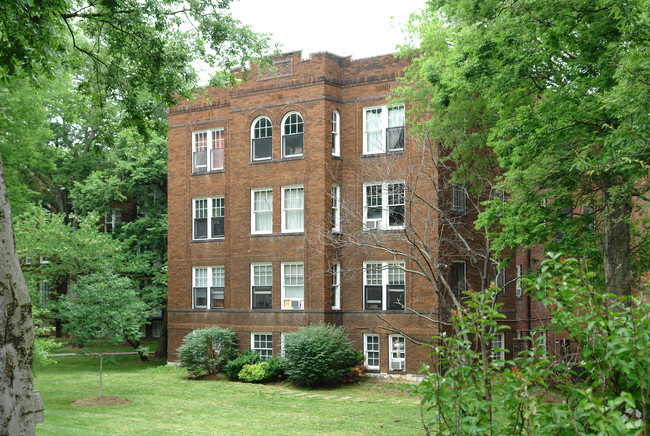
(133, 48)
(563, 85)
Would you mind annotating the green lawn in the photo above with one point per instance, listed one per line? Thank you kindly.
(165, 402)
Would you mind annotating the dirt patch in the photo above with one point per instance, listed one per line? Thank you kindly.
(100, 401)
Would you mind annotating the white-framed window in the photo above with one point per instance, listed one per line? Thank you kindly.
(383, 129)
(383, 205)
(261, 211)
(336, 133)
(384, 285)
(371, 350)
(111, 220)
(261, 285)
(293, 209)
(208, 218)
(397, 356)
(263, 344)
(336, 208)
(498, 347)
(292, 135)
(208, 287)
(261, 139)
(208, 150)
(458, 198)
(44, 291)
(518, 289)
(458, 277)
(336, 285)
(293, 285)
(283, 337)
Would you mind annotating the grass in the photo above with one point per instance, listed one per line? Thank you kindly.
(65, 347)
(165, 401)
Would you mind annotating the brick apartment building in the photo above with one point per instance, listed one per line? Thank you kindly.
(265, 178)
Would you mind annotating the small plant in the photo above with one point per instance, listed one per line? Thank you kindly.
(207, 350)
(320, 355)
(255, 373)
(234, 367)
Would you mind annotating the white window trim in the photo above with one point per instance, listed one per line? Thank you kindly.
(253, 212)
(258, 349)
(111, 220)
(384, 125)
(396, 363)
(253, 138)
(209, 286)
(283, 336)
(499, 341)
(210, 138)
(282, 135)
(385, 268)
(336, 208)
(336, 285)
(383, 223)
(299, 302)
(336, 133)
(366, 336)
(209, 217)
(283, 218)
(518, 288)
(252, 281)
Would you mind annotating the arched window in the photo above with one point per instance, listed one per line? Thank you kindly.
(336, 133)
(261, 138)
(292, 135)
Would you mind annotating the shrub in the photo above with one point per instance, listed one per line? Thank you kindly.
(207, 350)
(234, 367)
(257, 372)
(319, 355)
(275, 369)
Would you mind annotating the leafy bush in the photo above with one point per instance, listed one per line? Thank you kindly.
(319, 355)
(257, 372)
(234, 367)
(275, 369)
(207, 350)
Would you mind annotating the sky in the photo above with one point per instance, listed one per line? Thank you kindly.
(357, 28)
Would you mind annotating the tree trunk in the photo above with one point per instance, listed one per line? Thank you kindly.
(16, 332)
(135, 343)
(616, 246)
(161, 349)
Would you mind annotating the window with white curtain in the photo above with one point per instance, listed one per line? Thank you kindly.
(383, 129)
(208, 150)
(261, 211)
(292, 209)
(336, 285)
(383, 205)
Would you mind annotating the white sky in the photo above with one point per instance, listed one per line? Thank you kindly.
(357, 28)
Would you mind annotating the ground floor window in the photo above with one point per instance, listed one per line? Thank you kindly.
(371, 350)
(498, 347)
(397, 357)
(263, 344)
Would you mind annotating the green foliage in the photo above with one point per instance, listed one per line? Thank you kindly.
(103, 308)
(598, 394)
(255, 373)
(207, 350)
(234, 367)
(557, 91)
(43, 346)
(319, 355)
(275, 368)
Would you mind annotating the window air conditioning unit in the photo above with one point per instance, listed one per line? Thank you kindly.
(372, 225)
(519, 292)
(397, 365)
(296, 304)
